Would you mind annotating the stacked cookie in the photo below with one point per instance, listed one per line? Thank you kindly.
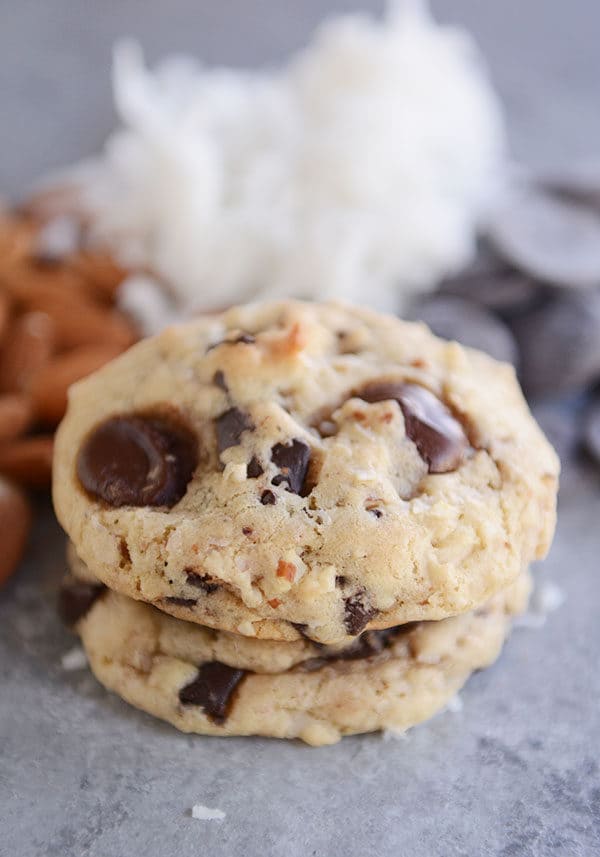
(298, 520)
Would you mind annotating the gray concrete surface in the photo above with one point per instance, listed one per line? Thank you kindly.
(517, 771)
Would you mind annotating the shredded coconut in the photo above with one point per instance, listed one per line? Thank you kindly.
(204, 813)
(391, 734)
(74, 659)
(546, 598)
(356, 171)
(455, 705)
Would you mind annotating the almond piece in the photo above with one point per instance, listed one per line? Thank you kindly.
(15, 521)
(27, 346)
(4, 313)
(48, 389)
(100, 269)
(78, 323)
(16, 415)
(28, 460)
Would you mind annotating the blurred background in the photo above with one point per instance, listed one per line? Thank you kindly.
(543, 56)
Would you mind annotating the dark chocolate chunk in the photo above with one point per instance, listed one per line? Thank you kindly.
(254, 469)
(433, 428)
(213, 690)
(75, 599)
(368, 645)
(201, 581)
(340, 580)
(219, 381)
(138, 460)
(267, 498)
(230, 427)
(302, 629)
(357, 612)
(181, 602)
(292, 460)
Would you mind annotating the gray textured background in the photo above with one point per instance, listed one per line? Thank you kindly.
(516, 772)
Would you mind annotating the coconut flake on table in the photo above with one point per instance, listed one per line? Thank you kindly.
(205, 813)
(356, 171)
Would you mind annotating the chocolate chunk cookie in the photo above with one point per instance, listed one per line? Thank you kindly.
(290, 465)
(217, 683)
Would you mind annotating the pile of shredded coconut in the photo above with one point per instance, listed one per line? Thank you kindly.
(356, 171)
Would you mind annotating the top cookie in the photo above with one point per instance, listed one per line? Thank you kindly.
(316, 469)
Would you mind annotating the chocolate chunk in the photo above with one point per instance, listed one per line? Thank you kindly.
(230, 427)
(219, 381)
(463, 320)
(340, 580)
(267, 498)
(213, 690)
(201, 581)
(75, 599)
(138, 460)
(181, 602)
(368, 645)
(357, 613)
(254, 469)
(302, 629)
(292, 460)
(437, 434)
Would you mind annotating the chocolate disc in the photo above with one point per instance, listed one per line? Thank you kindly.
(433, 428)
(138, 460)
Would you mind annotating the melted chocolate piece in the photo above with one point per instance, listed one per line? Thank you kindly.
(219, 381)
(302, 629)
(292, 460)
(213, 690)
(181, 602)
(230, 427)
(357, 612)
(267, 498)
(242, 339)
(138, 460)
(201, 581)
(75, 598)
(254, 468)
(437, 434)
(366, 646)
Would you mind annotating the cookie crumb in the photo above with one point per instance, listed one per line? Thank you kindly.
(204, 813)
(547, 597)
(74, 659)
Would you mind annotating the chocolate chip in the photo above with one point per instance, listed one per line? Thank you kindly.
(230, 427)
(437, 434)
(376, 512)
(181, 602)
(247, 531)
(138, 460)
(219, 381)
(358, 612)
(75, 599)
(254, 469)
(292, 459)
(201, 581)
(267, 498)
(213, 690)
(341, 581)
(302, 629)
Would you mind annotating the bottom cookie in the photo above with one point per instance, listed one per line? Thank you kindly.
(217, 683)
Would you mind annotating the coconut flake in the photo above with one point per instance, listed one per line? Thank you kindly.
(74, 659)
(204, 813)
(356, 171)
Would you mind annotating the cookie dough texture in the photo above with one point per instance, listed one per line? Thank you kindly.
(374, 536)
(148, 657)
